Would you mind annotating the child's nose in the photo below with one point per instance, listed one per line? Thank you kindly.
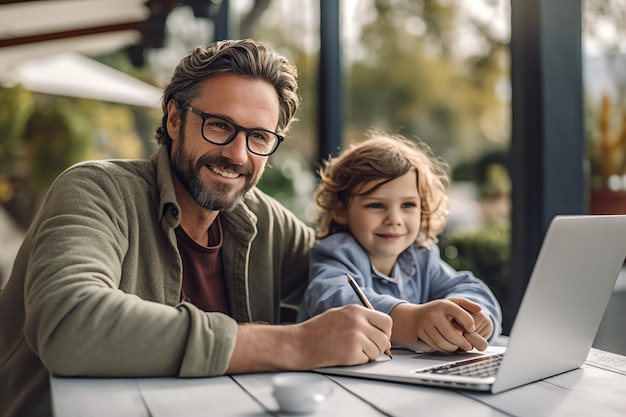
(393, 218)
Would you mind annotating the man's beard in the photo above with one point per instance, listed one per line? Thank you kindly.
(215, 196)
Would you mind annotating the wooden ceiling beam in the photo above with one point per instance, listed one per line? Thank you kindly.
(52, 36)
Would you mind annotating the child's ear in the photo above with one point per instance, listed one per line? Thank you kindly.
(340, 215)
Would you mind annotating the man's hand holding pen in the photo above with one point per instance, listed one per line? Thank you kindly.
(365, 302)
(348, 335)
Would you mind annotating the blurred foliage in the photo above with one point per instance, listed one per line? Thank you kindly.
(289, 179)
(604, 27)
(55, 137)
(403, 73)
(497, 181)
(486, 253)
(400, 77)
(117, 134)
(45, 134)
(604, 23)
(490, 172)
(408, 78)
(607, 148)
(16, 104)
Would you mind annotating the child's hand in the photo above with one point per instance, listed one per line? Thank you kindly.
(484, 326)
(445, 325)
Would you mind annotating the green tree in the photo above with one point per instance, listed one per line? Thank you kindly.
(16, 104)
(56, 136)
(409, 78)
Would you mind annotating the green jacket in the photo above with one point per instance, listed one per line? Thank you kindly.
(96, 286)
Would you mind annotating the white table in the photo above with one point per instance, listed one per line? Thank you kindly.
(596, 389)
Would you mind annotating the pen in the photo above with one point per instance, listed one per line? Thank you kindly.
(364, 301)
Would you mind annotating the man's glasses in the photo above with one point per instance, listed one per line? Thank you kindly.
(219, 131)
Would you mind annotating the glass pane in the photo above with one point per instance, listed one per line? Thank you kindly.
(431, 69)
(604, 66)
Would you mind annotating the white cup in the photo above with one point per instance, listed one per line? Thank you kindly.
(300, 392)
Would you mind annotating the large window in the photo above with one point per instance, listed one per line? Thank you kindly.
(433, 69)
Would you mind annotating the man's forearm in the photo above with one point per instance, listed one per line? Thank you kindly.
(261, 348)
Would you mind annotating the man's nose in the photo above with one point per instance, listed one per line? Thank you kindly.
(237, 149)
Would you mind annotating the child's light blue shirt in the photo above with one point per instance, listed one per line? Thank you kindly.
(419, 276)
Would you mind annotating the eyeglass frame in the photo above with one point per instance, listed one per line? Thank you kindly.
(204, 116)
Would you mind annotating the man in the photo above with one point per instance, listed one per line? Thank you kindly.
(158, 268)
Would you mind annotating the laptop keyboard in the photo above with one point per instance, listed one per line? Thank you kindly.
(483, 366)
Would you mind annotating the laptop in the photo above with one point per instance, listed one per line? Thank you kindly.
(567, 294)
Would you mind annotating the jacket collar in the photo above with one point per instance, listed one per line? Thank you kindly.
(168, 207)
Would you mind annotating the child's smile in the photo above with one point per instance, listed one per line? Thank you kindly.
(386, 221)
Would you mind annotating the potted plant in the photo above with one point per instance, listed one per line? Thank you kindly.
(607, 155)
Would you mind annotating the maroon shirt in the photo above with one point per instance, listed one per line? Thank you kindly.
(203, 277)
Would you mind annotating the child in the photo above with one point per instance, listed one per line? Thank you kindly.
(382, 205)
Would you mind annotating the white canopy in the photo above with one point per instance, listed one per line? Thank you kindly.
(42, 41)
(74, 75)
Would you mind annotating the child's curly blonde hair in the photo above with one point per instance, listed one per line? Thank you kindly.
(384, 156)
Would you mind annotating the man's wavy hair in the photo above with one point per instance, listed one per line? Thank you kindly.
(246, 58)
(383, 156)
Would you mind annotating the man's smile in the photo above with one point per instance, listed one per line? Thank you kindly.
(223, 173)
